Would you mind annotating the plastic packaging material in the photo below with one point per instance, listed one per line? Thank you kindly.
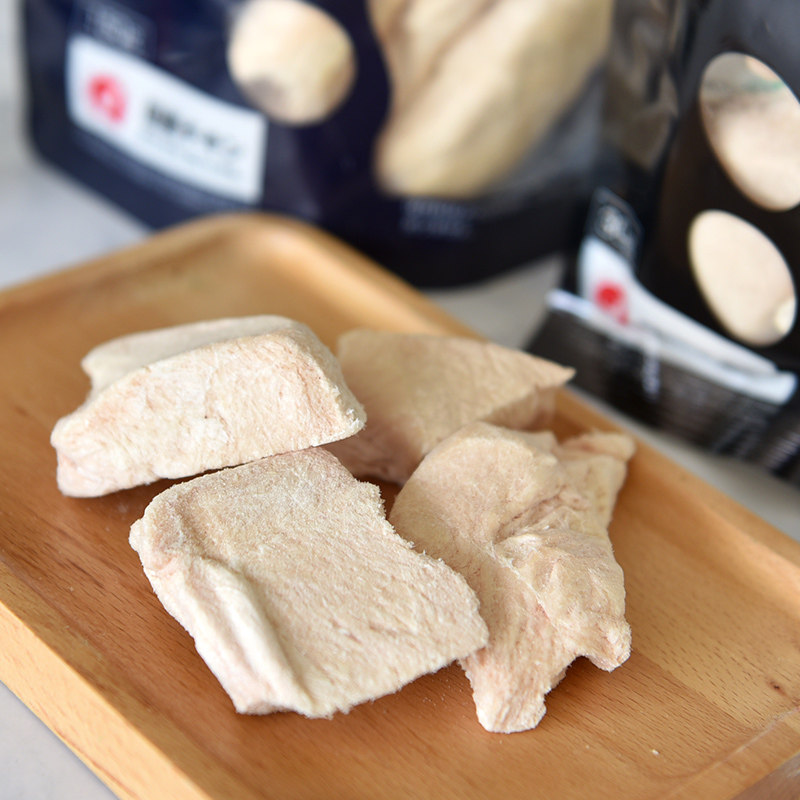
(447, 139)
(680, 305)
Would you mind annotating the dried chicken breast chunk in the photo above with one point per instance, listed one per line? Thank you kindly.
(297, 591)
(417, 389)
(524, 519)
(115, 358)
(177, 402)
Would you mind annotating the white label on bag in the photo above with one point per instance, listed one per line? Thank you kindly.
(612, 300)
(164, 122)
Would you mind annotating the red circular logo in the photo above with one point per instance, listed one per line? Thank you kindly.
(106, 95)
(612, 298)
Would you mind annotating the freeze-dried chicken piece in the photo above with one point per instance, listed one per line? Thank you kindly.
(417, 389)
(180, 401)
(115, 358)
(298, 593)
(597, 463)
(500, 507)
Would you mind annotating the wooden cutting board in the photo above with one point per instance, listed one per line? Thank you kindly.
(706, 707)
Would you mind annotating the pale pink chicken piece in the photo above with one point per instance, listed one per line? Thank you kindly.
(524, 520)
(180, 401)
(417, 389)
(298, 593)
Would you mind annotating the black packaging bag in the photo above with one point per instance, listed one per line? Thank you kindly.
(448, 151)
(680, 304)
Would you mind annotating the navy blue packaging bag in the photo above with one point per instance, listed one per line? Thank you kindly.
(448, 151)
(680, 304)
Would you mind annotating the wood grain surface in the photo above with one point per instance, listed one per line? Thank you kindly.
(706, 707)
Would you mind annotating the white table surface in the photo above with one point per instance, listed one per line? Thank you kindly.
(48, 222)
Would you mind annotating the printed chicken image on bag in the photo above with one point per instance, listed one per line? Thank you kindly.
(447, 139)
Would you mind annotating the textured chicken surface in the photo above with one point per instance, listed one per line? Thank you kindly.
(115, 358)
(418, 389)
(524, 519)
(297, 591)
(177, 402)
